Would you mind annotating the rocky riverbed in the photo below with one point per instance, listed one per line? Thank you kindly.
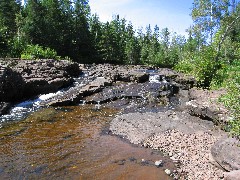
(159, 109)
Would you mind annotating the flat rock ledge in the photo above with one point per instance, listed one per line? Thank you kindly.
(197, 146)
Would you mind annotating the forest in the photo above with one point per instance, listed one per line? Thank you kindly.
(64, 29)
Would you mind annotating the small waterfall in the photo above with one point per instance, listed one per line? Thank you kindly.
(82, 102)
(98, 105)
(21, 110)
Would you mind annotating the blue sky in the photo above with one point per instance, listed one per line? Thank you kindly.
(173, 14)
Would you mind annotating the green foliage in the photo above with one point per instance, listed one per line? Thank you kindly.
(232, 101)
(38, 52)
(201, 65)
(8, 11)
(205, 67)
(186, 65)
(59, 25)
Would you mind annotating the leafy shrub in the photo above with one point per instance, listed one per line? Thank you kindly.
(201, 65)
(38, 52)
(205, 67)
(231, 81)
(186, 65)
(232, 101)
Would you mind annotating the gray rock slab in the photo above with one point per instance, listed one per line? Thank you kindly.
(138, 126)
(233, 175)
(226, 152)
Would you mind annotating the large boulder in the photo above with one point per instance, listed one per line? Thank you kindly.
(226, 152)
(233, 175)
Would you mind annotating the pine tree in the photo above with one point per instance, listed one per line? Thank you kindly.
(8, 29)
(82, 47)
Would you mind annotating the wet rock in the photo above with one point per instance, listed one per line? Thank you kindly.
(120, 162)
(233, 175)
(75, 94)
(226, 153)
(146, 91)
(132, 159)
(4, 107)
(145, 162)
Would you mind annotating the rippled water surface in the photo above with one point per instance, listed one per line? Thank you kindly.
(73, 143)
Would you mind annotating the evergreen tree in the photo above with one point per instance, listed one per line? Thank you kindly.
(132, 47)
(82, 47)
(8, 29)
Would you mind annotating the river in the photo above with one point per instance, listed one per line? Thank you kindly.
(73, 143)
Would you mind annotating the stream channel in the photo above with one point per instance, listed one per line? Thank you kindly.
(71, 143)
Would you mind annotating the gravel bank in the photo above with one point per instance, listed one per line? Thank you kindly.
(190, 152)
(186, 139)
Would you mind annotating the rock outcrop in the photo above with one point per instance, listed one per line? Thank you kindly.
(134, 84)
(119, 73)
(204, 103)
(137, 127)
(74, 95)
(12, 85)
(22, 79)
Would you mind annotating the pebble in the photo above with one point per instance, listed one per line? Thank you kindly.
(167, 171)
(158, 163)
(189, 155)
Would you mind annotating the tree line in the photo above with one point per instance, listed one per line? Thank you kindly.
(69, 28)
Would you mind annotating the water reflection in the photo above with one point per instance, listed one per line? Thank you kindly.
(68, 143)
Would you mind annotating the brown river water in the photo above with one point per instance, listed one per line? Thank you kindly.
(73, 143)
